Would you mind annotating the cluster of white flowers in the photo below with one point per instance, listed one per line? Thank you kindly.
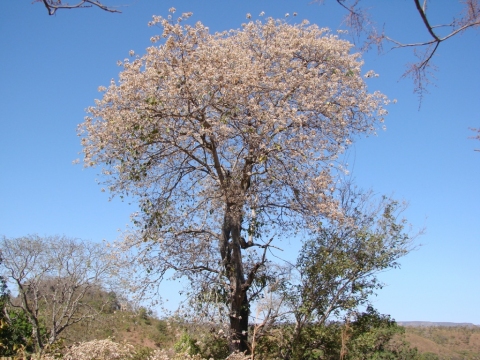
(370, 74)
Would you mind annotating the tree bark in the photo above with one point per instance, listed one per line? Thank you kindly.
(239, 325)
(232, 258)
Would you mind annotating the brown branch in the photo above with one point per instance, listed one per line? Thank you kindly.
(53, 5)
(254, 270)
(425, 20)
(193, 268)
(476, 137)
(425, 62)
(464, 27)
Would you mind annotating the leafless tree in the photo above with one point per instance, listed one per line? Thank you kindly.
(52, 278)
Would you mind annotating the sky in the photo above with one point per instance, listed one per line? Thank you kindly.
(52, 66)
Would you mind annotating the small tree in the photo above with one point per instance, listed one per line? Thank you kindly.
(369, 336)
(338, 267)
(52, 277)
(229, 141)
(337, 270)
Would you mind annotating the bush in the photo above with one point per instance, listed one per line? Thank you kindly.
(187, 345)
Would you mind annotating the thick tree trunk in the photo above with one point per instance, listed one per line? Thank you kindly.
(238, 301)
(239, 325)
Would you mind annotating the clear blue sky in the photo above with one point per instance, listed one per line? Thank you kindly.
(53, 65)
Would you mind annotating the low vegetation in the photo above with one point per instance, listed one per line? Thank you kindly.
(129, 332)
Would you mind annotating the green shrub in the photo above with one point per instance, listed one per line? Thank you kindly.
(187, 345)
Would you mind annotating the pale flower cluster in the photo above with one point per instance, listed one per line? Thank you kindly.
(100, 350)
(163, 355)
(97, 350)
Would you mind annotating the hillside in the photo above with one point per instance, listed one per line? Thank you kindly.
(445, 342)
(134, 327)
(435, 341)
(434, 324)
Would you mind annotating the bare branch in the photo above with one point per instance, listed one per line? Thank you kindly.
(258, 265)
(477, 137)
(53, 5)
(359, 22)
(421, 11)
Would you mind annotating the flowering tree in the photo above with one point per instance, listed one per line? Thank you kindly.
(229, 142)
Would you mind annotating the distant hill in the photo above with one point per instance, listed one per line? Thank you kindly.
(432, 324)
(444, 341)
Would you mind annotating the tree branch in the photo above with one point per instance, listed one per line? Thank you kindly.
(421, 11)
(357, 19)
(254, 270)
(54, 5)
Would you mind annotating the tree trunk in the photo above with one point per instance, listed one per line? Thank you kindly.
(238, 341)
(37, 337)
(238, 301)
